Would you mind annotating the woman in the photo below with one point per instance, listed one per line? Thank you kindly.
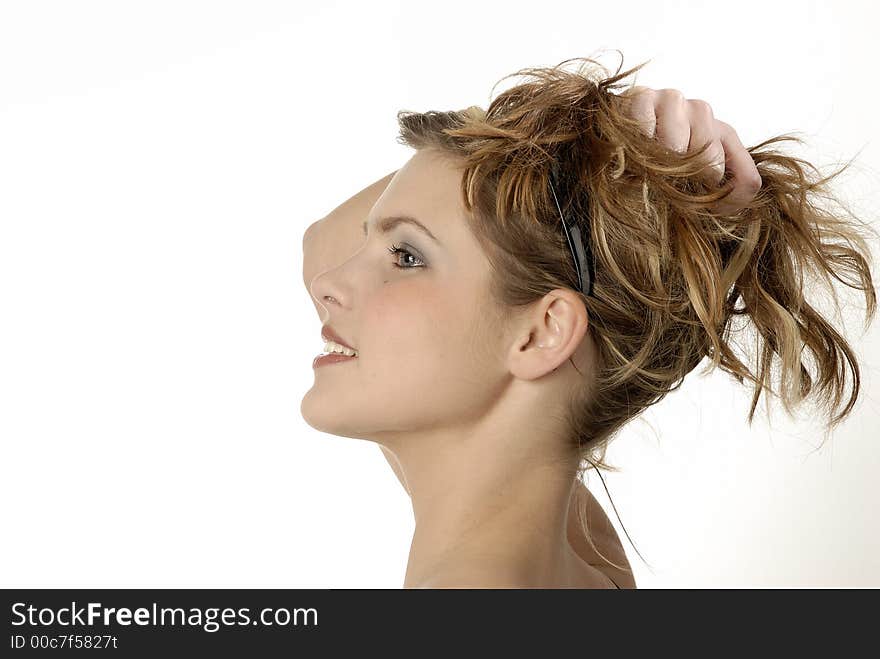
(557, 264)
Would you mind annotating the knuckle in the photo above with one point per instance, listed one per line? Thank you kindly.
(751, 182)
(636, 89)
(675, 95)
(701, 107)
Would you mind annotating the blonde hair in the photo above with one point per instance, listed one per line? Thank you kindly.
(671, 275)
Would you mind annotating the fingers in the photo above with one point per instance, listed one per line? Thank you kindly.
(673, 122)
(640, 106)
(704, 128)
(680, 124)
(685, 125)
(744, 172)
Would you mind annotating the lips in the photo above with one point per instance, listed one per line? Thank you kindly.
(328, 334)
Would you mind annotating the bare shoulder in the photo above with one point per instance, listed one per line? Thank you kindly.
(483, 574)
(471, 576)
(606, 544)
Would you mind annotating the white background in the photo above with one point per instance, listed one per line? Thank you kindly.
(159, 162)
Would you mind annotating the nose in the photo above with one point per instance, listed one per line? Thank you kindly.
(326, 291)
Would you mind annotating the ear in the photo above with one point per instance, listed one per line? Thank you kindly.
(548, 334)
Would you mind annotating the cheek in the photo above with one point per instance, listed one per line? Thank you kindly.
(413, 325)
(420, 365)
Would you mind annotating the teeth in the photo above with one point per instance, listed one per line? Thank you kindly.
(330, 346)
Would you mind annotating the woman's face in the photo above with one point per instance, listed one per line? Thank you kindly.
(430, 346)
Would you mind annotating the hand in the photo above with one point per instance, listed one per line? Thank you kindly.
(684, 125)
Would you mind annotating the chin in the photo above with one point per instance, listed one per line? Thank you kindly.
(324, 419)
(315, 418)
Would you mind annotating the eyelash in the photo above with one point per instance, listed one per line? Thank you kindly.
(398, 249)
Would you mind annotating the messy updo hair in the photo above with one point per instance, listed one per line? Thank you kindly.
(672, 276)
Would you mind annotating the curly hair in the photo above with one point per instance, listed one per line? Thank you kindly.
(672, 275)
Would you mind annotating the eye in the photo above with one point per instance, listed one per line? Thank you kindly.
(398, 249)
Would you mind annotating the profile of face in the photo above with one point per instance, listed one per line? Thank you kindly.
(430, 350)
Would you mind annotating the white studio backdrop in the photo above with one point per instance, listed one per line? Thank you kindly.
(159, 163)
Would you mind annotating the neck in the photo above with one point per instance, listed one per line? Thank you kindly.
(487, 500)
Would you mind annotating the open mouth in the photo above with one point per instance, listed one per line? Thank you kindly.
(332, 348)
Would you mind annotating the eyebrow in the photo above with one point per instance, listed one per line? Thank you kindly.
(386, 224)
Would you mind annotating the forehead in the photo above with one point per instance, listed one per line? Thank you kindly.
(426, 191)
(428, 188)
